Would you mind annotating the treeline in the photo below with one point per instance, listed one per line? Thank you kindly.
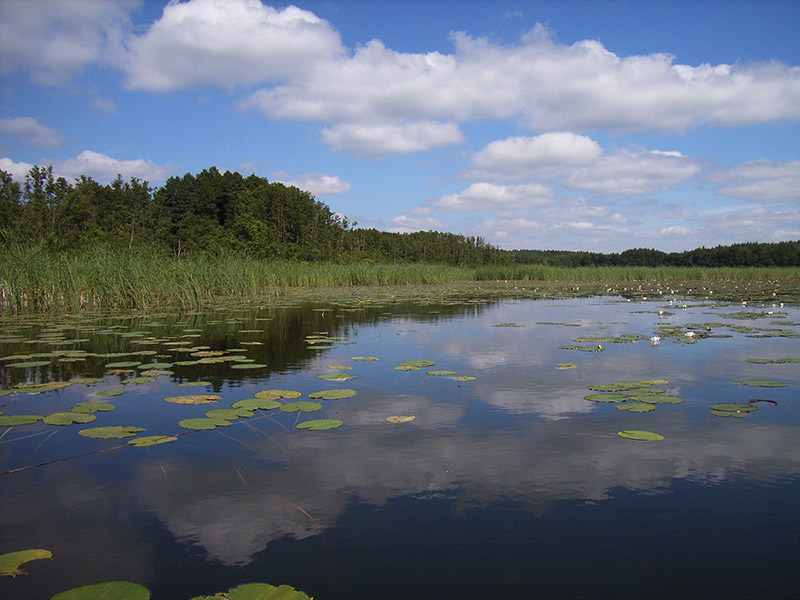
(211, 213)
(751, 254)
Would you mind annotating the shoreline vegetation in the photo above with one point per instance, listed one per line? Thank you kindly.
(211, 237)
(38, 280)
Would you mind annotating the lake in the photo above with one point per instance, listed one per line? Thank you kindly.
(506, 483)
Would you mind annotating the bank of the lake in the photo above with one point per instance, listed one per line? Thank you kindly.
(36, 280)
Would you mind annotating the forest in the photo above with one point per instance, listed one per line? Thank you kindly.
(214, 213)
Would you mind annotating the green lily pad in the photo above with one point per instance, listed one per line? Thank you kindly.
(332, 394)
(566, 365)
(105, 393)
(462, 378)
(41, 387)
(29, 364)
(110, 590)
(276, 394)
(417, 363)
(257, 404)
(400, 419)
(155, 365)
(320, 424)
(68, 418)
(229, 414)
(365, 358)
(636, 407)
(302, 406)
(194, 384)
(87, 380)
(762, 383)
(138, 380)
(152, 440)
(605, 398)
(257, 591)
(111, 432)
(203, 423)
(634, 434)
(92, 407)
(193, 399)
(12, 420)
(442, 372)
(11, 561)
(733, 407)
(125, 364)
(336, 376)
(659, 399)
(248, 366)
(730, 413)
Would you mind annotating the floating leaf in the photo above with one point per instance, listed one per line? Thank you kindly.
(320, 424)
(12, 420)
(91, 407)
(332, 394)
(654, 382)
(110, 590)
(659, 399)
(566, 365)
(400, 419)
(41, 387)
(193, 399)
(11, 561)
(138, 380)
(155, 365)
(365, 358)
(152, 440)
(257, 404)
(111, 432)
(301, 405)
(762, 383)
(417, 363)
(87, 380)
(605, 398)
(29, 364)
(229, 414)
(194, 384)
(634, 434)
(125, 364)
(203, 423)
(248, 366)
(636, 407)
(336, 376)
(257, 591)
(275, 394)
(104, 393)
(442, 372)
(68, 418)
(733, 407)
(462, 378)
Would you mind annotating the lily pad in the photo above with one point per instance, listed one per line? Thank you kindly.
(92, 407)
(400, 419)
(276, 394)
(636, 407)
(605, 398)
(248, 366)
(111, 432)
(125, 364)
(257, 591)
(152, 440)
(41, 387)
(566, 365)
(257, 404)
(229, 414)
(68, 418)
(462, 378)
(336, 376)
(139, 380)
(659, 399)
(320, 424)
(12, 420)
(634, 434)
(733, 407)
(11, 561)
(86, 380)
(105, 393)
(193, 399)
(365, 358)
(203, 423)
(332, 394)
(110, 590)
(194, 384)
(29, 364)
(417, 363)
(302, 406)
(442, 372)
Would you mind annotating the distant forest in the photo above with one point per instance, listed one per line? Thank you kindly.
(213, 213)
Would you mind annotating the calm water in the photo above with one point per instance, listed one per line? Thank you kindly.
(511, 485)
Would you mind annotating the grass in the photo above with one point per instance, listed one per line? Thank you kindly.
(33, 279)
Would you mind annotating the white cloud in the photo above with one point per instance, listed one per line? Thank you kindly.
(404, 224)
(30, 131)
(18, 170)
(53, 39)
(377, 140)
(104, 105)
(319, 184)
(524, 157)
(492, 198)
(226, 43)
(104, 168)
(760, 181)
(547, 85)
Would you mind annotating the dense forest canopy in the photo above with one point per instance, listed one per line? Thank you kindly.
(214, 212)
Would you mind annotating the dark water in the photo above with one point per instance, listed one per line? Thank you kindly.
(511, 485)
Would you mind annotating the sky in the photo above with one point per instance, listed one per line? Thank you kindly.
(561, 124)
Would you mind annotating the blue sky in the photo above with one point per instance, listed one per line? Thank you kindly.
(552, 125)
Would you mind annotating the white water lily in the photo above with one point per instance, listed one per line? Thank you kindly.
(655, 340)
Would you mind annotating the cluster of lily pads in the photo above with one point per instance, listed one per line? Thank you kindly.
(11, 562)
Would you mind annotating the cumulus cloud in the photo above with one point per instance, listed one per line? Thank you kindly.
(378, 140)
(405, 224)
(320, 184)
(226, 43)
(105, 168)
(18, 170)
(104, 105)
(545, 84)
(760, 181)
(30, 131)
(496, 199)
(53, 40)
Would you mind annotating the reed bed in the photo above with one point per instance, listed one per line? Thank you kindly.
(33, 279)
